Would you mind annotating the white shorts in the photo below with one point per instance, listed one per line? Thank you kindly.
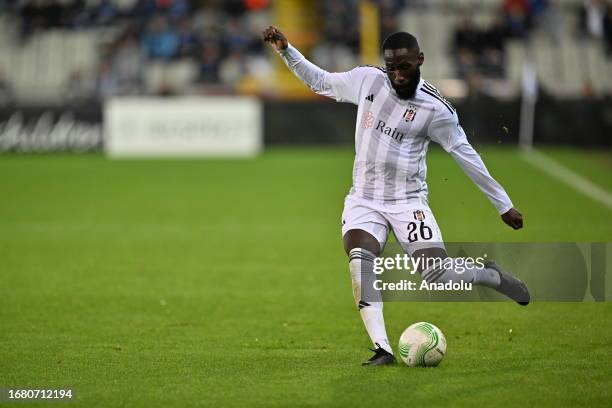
(413, 223)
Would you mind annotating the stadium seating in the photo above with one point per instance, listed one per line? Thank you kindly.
(40, 67)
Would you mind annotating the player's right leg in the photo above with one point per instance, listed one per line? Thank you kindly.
(491, 275)
(419, 235)
(364, 233)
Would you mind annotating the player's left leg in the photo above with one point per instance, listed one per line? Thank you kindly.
(419, 235)
(363, 247)
(364, 233)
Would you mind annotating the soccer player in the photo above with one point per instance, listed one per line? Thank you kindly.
(398, 114)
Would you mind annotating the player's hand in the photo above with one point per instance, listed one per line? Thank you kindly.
(276, 39)
(513, 218)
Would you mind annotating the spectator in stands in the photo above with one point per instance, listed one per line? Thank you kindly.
(222, 37)
(591, 18)
(210, 60)
(492, 57)
(480, 51)
(81, 16)
(595, 22)
(252, 23)
(208, 20)
(38, 15)
(188, 41)
(120, 70)
(106, 85)
(126, 65)
(233, 68)
(467, 44)
(177, 9)
(518, 18)
(235, 38)
(536, 8)
(173, 9)
(338, 19)
(160, 40)
(389, 10)
(143, 10)
(104, 13)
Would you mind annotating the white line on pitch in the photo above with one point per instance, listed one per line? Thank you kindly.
(569, 177)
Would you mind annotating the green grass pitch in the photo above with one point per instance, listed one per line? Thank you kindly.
(224, 283)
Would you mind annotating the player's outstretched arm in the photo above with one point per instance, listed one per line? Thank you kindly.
(309, 73)
(340, 86)
(471, 163)
(446, 131)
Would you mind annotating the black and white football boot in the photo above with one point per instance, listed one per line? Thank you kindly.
(510, 286)
(380, 357)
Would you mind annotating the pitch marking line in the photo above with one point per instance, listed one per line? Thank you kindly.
(562, 173)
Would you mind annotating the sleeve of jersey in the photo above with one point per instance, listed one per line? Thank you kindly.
(471, 163)
(341, 86)
(445, 130)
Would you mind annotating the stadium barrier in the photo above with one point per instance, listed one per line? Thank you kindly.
(51, 128)
(166, 127)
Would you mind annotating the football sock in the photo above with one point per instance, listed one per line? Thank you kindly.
(486, 277)
(478, 276)
(361, 263)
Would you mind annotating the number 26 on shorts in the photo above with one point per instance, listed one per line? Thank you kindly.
(419, 231)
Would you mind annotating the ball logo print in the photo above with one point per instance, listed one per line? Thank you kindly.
(422, 345)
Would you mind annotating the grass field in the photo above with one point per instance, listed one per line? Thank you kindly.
(224, 283)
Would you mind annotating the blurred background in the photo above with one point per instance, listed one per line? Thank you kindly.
(62, 61)
(223, 282)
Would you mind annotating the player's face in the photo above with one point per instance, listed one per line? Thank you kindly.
(403, 68)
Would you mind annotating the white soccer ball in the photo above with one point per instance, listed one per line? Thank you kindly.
(422, 345)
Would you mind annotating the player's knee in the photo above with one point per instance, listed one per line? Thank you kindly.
(359, 239)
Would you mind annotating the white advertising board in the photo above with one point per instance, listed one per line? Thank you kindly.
(183, 127)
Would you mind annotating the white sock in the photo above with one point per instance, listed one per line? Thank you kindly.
(361, 261)
(478, 276)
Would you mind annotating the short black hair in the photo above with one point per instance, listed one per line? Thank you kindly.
(399, 40)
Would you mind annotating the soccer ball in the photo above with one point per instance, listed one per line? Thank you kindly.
(422, 345)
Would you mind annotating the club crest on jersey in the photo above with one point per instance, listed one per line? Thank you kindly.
(419, 215)
(368, 120)
(410, 113)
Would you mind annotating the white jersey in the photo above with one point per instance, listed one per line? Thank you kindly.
(392, 134)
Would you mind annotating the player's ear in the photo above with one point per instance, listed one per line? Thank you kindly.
(421, 58)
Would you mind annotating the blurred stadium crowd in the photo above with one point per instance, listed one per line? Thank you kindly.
(94, 49)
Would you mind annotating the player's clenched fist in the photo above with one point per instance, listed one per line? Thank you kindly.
(513, 218)
(276, 39)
